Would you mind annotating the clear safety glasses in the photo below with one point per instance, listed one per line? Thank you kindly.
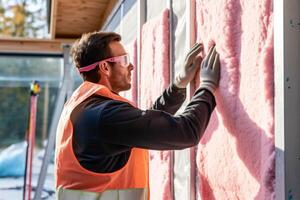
(124, 60)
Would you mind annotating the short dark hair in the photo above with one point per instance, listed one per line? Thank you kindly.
(90, 48)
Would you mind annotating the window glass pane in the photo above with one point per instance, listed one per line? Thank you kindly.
(16, 74)
(114, 24)
(154, 8)
(21, 71)
(77, 79)
(129, 22)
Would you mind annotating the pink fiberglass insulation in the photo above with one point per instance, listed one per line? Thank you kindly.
(235, 156)
(131, 94)
(154, 79)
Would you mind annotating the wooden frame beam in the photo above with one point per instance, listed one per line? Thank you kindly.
(171, 75)
(53, 18)
(23, 45)
(191, 39)
(286, 99)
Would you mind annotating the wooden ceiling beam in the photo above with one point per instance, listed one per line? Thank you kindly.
(75, 17)
(72, 18)
(23, 45)
(53, 18)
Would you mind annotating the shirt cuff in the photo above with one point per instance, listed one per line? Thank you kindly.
(174, 88)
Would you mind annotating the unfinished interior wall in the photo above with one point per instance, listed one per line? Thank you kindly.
(131, 94)
(236, 155)
(154, 78)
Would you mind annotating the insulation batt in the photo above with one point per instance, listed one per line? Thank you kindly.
(131, 94)
(235, 157)
(154, 79)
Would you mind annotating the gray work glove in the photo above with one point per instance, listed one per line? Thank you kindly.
(210, 71)
(190, 66)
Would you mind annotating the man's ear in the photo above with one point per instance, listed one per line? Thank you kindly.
(104, 68)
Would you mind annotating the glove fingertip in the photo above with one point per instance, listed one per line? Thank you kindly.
(217, 62)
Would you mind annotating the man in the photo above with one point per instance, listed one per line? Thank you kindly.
(102, 140)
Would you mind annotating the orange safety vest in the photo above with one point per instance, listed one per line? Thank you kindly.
(131, 181)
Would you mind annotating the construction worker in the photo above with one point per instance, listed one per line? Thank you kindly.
(103, 140)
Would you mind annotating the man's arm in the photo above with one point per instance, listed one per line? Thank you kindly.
(122, 124)
(125, 125)
(171, 99)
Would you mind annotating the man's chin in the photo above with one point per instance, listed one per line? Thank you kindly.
(128, 87)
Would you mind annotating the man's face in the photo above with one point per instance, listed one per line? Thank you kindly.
(120, 76)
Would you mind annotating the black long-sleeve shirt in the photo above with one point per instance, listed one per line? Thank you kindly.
(105, 130)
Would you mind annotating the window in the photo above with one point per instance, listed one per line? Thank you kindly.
(16, 75)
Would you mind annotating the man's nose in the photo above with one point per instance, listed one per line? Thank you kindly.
(130, 66)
